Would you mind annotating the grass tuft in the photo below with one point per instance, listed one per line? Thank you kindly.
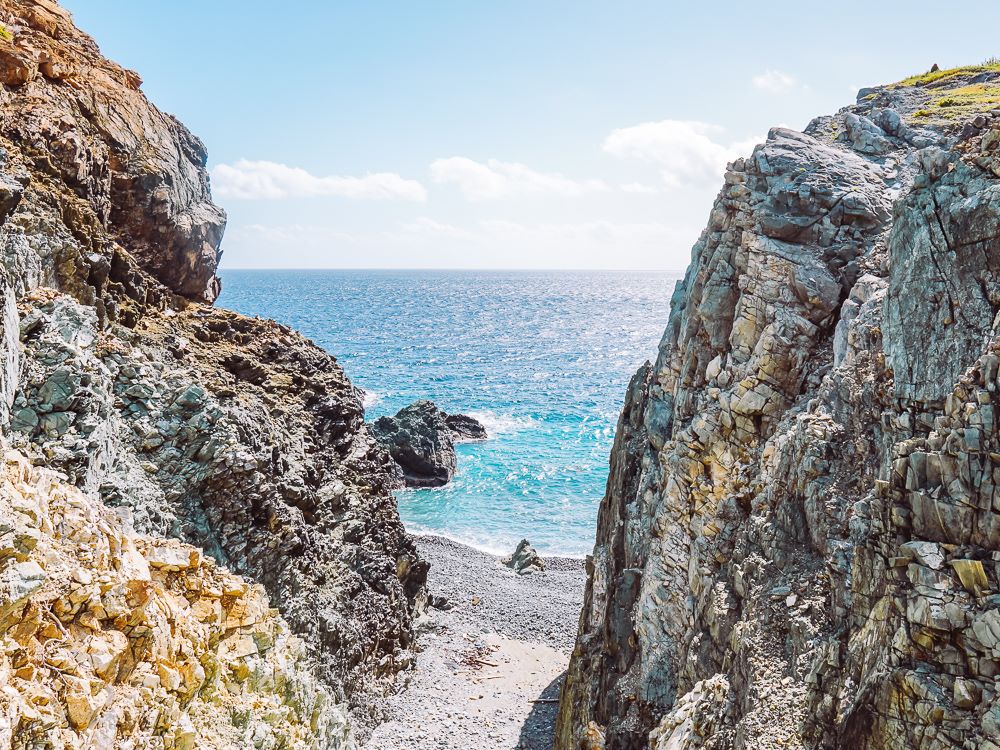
(924, 79)
(970, 100)
(5, 34)
(953, 96)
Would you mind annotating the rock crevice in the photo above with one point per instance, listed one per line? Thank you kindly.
(166, 419)
(798, 544)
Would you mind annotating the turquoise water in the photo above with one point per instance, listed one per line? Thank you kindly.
(541, 358)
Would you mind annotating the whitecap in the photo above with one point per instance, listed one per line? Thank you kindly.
(370, 398)
(497, 549)
(496, 424)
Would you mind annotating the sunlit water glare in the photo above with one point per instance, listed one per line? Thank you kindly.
(541, 358)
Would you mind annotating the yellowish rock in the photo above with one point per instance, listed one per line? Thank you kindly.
(109, 625)
(972, 575)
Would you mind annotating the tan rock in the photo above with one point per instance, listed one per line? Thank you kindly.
(972, 575)
(106, 651)
(172, 557)
(81, 704)
(170, 678)
(176, 662)
(16, 67)
(966, 693)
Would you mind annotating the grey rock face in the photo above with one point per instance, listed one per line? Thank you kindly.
(240, 437)
(799, 540)
(464, 427)
(525, 559)
(421, 442)
(943, 243)
(235, 435)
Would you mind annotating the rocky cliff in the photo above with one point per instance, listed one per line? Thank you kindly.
(127, 391)
(800, 541)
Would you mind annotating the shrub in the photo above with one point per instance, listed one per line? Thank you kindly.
(5, 34)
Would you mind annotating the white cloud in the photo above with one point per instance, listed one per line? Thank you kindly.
(687, 152)
(496, 179)
(268, 180)
(424, 225)
(491, 243)
(505, 233)
(774, 82)
(638, 187)
(282, 235)
(609, 235)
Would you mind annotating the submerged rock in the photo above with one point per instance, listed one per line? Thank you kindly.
(525, 559)
(421, 441)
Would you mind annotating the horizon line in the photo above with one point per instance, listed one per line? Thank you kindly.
(466, 268)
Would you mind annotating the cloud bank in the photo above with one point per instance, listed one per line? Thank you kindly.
(687, 152)
(774, 82)
(268, 180)
(495, 179)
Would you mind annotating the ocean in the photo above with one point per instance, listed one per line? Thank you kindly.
(542, 359)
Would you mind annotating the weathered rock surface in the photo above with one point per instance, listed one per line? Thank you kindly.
(421, 442)
(236, 436)
(800, 541)
(525, 560)
(133, 172)
(106, 635)
(240, 437)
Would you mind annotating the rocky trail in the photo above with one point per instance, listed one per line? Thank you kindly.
(492, 661)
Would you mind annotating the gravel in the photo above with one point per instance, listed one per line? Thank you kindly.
(491, 663)
(540, 607)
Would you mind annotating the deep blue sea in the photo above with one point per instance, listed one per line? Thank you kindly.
(541, 358)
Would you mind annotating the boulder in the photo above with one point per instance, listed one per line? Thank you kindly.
(420, 441)
(464, 427)
(525, 559)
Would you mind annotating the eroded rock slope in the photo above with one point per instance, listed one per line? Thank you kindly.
(800, 541)
(234, 435)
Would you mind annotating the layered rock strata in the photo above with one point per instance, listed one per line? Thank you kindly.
(107, 635)
(800, 541)
(234, 435)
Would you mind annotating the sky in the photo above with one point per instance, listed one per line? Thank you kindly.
(505, 134)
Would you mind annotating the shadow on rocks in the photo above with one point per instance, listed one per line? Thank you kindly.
(538, 730)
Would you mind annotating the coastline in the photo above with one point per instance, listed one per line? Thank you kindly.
(490, 663)
(418, 532)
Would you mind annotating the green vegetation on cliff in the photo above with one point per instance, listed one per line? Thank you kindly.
(936, 76)
(956, 94)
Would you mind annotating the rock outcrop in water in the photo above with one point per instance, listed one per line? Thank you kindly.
(233, 435)
(421, 439)
(800, 541)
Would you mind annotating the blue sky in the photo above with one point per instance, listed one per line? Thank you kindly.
(508, 134)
